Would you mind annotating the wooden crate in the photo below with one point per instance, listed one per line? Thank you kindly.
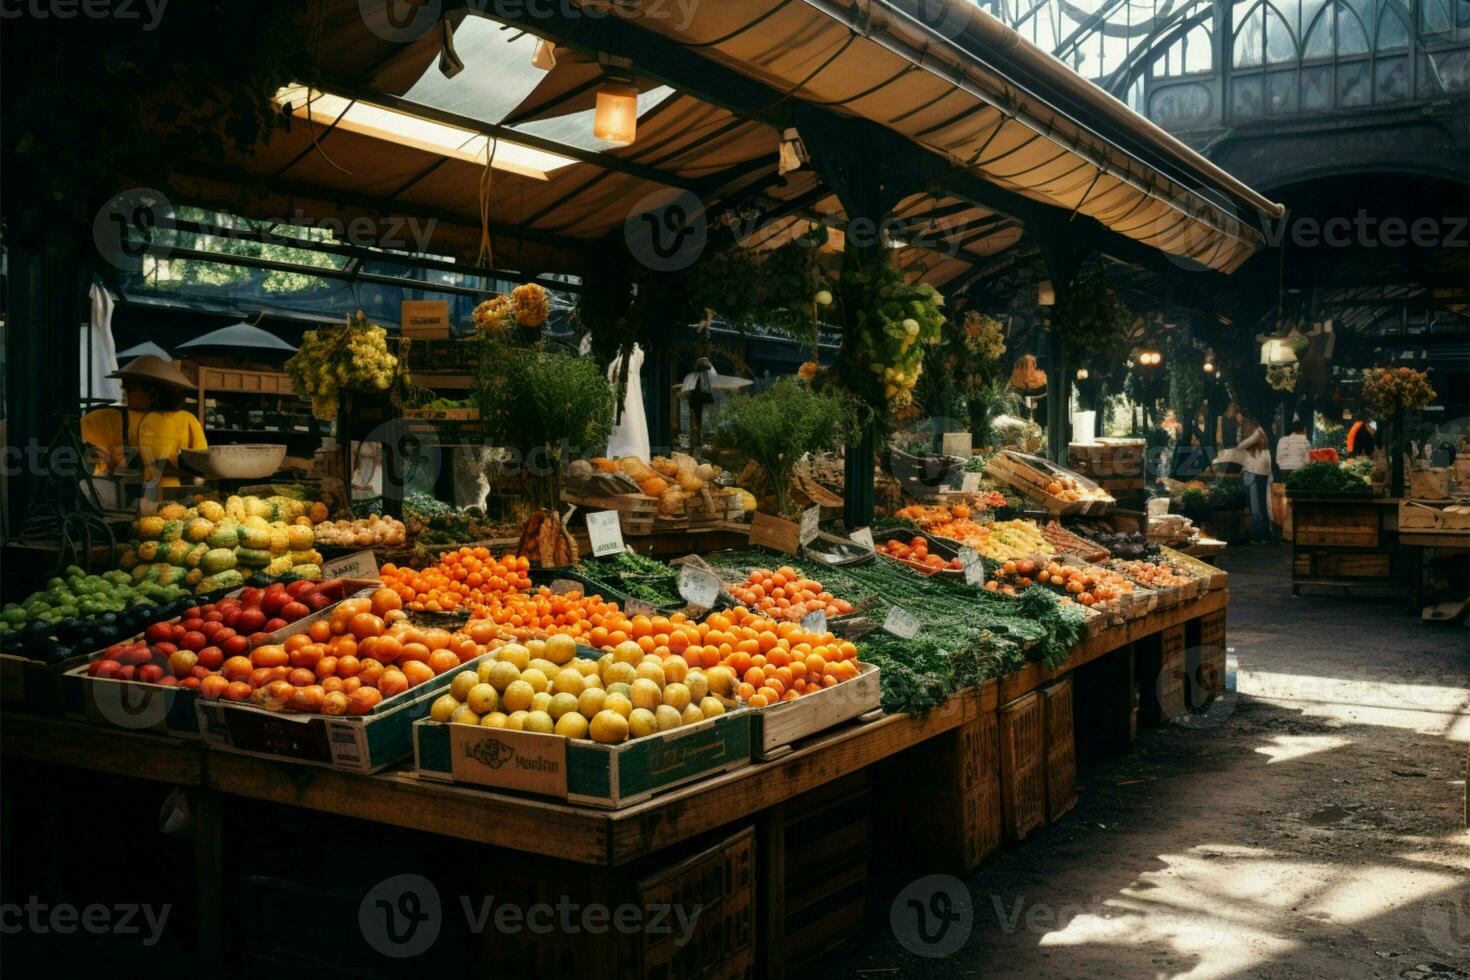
(826, 846)
(1431, 484)
(720, 881)
(636, 512)
(1346, 537)
(1204, 660)
(1030, 475)
(579, 770)
(1116, 461)
(776, 728)
(34, 684)
(1022, 766)
(1061, 749)
(1417, 516)
(1169, 687)
(1210, 577)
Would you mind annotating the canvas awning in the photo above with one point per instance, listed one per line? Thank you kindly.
(1053, 150)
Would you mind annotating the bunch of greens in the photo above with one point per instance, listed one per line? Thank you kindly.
(1325, 478)
(916, 675)
(781, 424)
(1228, 495)
(636, 576)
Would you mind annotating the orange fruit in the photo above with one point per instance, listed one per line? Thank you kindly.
(417, 672)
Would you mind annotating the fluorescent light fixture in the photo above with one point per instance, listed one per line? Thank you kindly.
(405, 129)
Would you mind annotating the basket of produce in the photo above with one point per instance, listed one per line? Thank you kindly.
(925, 555)
(1208, 575)
(1057, 489)
(1067, 543)
(372, 531)
(1171, 584)
(245, 461)
(1090, 586)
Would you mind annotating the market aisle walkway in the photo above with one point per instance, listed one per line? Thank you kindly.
(1317, 832)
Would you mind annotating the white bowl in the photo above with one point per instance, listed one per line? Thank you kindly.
(249, 461)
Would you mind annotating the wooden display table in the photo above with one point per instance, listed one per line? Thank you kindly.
(951, 742)
(1344, 541)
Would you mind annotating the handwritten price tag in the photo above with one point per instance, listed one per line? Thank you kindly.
(809, 520)
(864, 537)
(698, 587)
(970, 482)
(605, 530)
(359, 564)
(902, 623)
(815, 621)
(974, 566)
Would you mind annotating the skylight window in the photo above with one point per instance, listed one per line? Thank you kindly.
(405, 129)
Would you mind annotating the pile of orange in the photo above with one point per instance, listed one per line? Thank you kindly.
(785, 594)
(346, 664)
(466, 578)
(534, 614)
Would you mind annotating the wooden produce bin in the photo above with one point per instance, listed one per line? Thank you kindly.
(35, 685)
(775, 728)
(1030, 475)
(1061, 749)
(1342, 541)
(1022, 727)
(133, 705)
(1204, 658)
(580, 770)
(818, 891)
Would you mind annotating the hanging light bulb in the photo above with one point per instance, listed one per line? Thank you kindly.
(1082, 374)
(793, 151)
(1209, 367)
(616, 119)
(1046, 294)
(544, 57)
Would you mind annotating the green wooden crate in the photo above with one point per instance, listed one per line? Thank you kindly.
(578, 770)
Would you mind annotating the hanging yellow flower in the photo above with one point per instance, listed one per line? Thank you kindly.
(530, 305)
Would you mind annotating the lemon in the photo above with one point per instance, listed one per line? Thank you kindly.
(676, 668)
(537, 648)
(567, 681)
(482, 699)
(721, 680)
(692, 714)
(571, 725)
(516, 654)
(561, 704)
(591, 701)
(495, 719)
(603, 662)
(592, 681)
(626, 690)
(540, 722)
(443, 708)
(464, 716)
(585, 667)
(560, 648)
(609, 727)
(651, 670)
(641, 722)
(618, 704)
(535, 678)
(460, 686)
(627, 652)
(645, 694)
(677, 696)
(502, 675)
(545, 666)
(619, 673)
(517, 697)
(698, 685)
(516, 720)
(711, 707)
(541, 701)
(486, 668)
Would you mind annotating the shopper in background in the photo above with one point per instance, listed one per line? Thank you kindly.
(1292, 450)
(1361, 439)
(1255, 472)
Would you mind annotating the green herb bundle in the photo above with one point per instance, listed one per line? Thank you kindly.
(636, 576)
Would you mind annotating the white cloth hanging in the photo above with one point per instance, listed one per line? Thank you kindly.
(97, 339)
(630, 434)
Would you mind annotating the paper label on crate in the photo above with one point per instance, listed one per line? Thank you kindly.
(637, 607)
(698, 587)
(605, 530)
(815, 621)
(358, 565)
(864, 536)
(970, 483)
(524, 761)
(973, 564)
(902, 623)
(810, 518)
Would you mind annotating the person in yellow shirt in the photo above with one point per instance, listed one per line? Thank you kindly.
(151, 421)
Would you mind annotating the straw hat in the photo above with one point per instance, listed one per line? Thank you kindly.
(152, 368)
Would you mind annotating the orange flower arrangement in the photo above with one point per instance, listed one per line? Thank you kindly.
(1392, 391)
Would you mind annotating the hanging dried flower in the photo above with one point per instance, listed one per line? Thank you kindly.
(494, 316)
(530, 305)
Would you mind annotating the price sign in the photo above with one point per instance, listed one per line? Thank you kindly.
(698, 587)
(864, 537)
(359, 565)
(974, 566)
(605, 530)
(809, 519)
(970, 483)
(902, 623)
(637, 607)
(815, 621)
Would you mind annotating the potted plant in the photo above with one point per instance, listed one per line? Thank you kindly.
(1229, 519)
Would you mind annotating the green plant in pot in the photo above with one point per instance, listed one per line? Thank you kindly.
(544, 404)
(778, 426)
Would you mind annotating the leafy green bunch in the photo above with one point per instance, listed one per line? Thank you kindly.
(889, 324)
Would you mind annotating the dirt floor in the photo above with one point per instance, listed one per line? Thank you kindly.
(1312, 826)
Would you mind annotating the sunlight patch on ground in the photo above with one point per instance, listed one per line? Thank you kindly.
(1430, 704)
(1285, 748)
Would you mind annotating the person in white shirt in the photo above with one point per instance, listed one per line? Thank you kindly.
(1255, 465)
(1292, 450)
